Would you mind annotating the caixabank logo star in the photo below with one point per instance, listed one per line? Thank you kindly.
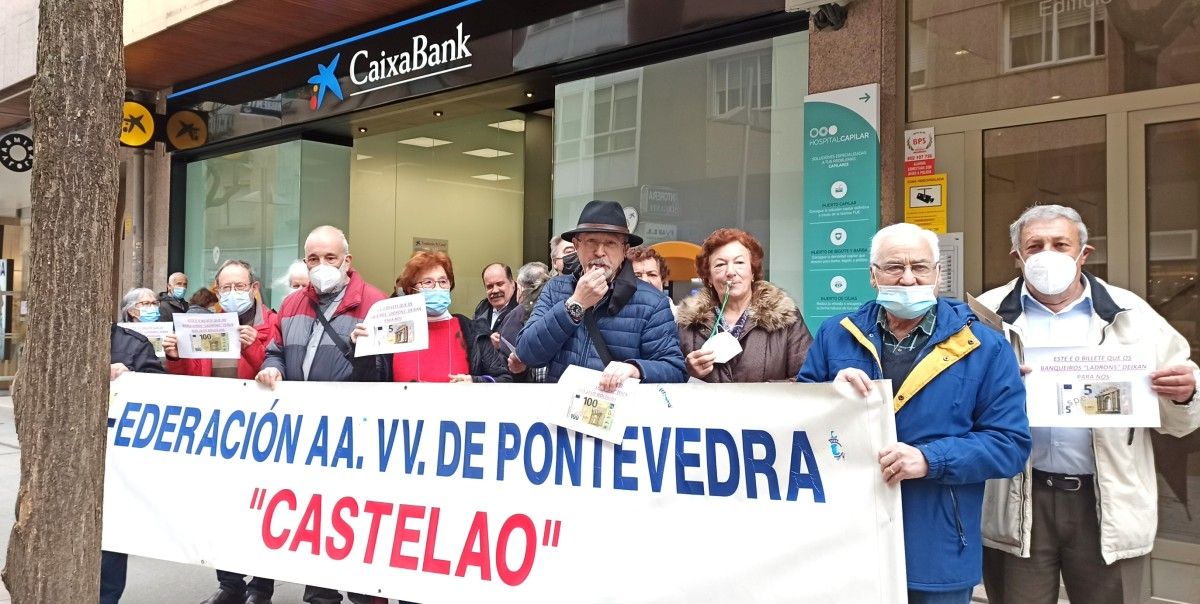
(324, 81)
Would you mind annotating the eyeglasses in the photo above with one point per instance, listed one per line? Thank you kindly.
(442, 283)
(896, 269)
(233, 287)
(146, 304)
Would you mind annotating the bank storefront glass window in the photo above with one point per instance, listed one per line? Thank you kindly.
(692, 145)
(455, 186)
(996, 54)
(258, 206)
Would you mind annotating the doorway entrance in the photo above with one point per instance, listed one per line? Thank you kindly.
(1164, 201)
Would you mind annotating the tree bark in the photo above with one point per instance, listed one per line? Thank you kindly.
(60, 397)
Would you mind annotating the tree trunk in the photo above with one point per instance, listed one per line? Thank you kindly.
(60, 398)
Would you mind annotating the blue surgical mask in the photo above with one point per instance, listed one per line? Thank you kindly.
(235, 301)
(437, 301)
(906, 301)
(178, 292)
(148, 315)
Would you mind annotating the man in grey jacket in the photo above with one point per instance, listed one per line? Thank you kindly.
(1086, 506)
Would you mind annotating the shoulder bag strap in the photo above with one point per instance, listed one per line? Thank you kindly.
(589, 319)
(333, 335)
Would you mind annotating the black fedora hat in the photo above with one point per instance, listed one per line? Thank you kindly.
(603, 217)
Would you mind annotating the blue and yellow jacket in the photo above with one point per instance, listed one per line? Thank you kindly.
(963, 406)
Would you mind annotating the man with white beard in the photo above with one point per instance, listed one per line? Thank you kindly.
(632, 320)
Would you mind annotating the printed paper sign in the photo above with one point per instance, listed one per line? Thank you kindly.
(919, 152)
(927, 203)
(207, 335)
(395, 325)
(588, 409)
(441, 493)
(1082, 387)
(154, 331)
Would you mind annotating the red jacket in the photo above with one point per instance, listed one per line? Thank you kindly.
(252, 355)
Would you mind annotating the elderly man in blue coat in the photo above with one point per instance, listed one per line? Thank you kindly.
(632, 320)
(959, 403)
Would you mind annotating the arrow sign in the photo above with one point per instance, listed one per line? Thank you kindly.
(865, 97)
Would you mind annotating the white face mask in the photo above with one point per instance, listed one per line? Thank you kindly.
(327, 279)
(1051, 272)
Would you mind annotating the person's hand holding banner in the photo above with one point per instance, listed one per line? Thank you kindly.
(856, 378)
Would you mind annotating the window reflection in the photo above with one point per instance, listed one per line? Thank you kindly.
(692, 144)
(988, 55)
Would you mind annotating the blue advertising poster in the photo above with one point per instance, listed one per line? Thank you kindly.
(841, 199)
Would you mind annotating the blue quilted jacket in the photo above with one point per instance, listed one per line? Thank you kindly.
(634, 319)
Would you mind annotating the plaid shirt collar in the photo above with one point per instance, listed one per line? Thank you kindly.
(915, 339)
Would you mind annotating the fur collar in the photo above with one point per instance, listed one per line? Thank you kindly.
(770, 308)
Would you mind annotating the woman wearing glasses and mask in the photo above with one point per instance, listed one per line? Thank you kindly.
(458, 350)
(736, 304)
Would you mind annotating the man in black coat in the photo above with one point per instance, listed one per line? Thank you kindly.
(500, 300)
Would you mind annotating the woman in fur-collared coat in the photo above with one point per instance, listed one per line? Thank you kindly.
(761, 316)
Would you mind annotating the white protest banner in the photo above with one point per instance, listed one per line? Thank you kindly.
(154, 331)
(1082, 387)
(460, 493)
(394, 325)
(207, 335)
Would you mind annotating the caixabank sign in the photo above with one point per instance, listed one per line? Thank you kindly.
(439, 47)
(451, 46)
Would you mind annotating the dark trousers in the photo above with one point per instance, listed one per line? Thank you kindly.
(962, 596)
(324, 595)
(236, 583)
(1066, 540)
(112, 576)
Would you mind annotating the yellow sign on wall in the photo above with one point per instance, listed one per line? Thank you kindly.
(137, 124)
(186, 130)
(925, 201)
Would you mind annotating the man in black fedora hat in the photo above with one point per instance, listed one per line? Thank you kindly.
(604, 301)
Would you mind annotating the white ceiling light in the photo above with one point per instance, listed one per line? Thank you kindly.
(362, 157)
(492, 177)
(510, 125)
(424, 141)
(487, 152)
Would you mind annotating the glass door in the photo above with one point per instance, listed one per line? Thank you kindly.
(1164, 196)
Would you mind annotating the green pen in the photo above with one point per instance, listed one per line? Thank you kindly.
(721, 313)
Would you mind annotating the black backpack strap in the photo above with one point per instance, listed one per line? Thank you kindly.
(589, 320)
(333, 335)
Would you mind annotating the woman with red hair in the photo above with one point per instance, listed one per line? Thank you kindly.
(736, 300)
(458, 350)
